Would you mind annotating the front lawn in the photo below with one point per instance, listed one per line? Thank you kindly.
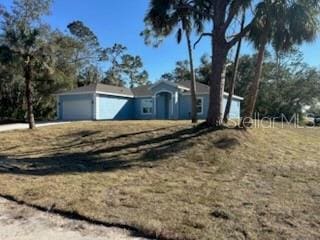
(169, 179)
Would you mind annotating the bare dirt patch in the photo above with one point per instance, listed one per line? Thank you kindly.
(19, 222)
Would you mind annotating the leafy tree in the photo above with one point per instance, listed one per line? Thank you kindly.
(182, 71)
(132, 68)
(113, 75)
(163, 17)
(89, 74)
(88, 53)
(283, 24)
(168, 77)
(22, 43)
(287, 84)
(204, 70)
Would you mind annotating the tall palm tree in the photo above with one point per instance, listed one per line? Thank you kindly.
(282, 24)
(235, 73)
(164, 17)
(22, 29)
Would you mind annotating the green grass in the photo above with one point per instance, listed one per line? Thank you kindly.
(170, 179)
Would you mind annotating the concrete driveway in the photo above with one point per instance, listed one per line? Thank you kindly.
(17, 126)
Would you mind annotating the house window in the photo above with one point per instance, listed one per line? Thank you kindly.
(146, 106)
(199, 105)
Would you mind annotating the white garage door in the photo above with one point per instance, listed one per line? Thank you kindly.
(77, 110)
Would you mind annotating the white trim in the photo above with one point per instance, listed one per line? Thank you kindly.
(198, 93)
(94, 92)
(176, 96)
(233, 96)
(141, 106)
(97, 106)
(172, 104)
(202, 100)
(224, 94)
(183, 88)
(73, 93)
(115, 94)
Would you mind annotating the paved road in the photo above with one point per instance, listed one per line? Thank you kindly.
(19, 222)
(16, 126)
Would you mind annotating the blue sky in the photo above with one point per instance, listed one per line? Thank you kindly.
(121, 21)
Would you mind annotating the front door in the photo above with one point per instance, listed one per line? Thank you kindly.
(163, 105)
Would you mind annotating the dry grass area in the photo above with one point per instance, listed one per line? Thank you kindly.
(169, 179)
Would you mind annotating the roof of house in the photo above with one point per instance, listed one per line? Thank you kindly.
(141, 91)
(100, 88)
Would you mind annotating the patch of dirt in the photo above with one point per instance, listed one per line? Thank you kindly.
(19, 222)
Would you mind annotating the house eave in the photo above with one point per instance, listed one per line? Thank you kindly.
(170, 84)
(224, 94)
(94, 92)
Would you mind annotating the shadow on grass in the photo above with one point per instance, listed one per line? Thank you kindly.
(140, 153)
(133, 230)
(79, 140)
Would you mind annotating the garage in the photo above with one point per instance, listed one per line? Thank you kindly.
(77, 110)
(76, 107)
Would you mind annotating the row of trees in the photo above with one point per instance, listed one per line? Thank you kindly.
(281, 24)
(36, 61)
(287, 84)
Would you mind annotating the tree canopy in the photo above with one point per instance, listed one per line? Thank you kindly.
(58, 60)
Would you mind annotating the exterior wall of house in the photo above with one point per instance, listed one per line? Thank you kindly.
(114, 108)
(81, 106)
(173, 103)
(106, 107)
(185, 107)
(235, 108)
(138, 114)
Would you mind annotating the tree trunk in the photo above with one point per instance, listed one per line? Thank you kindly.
(194, 116)
(234, 77)
(219, 56)
(250, 102)
(28, 78)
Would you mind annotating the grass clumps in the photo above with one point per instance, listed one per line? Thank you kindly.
(169, 179)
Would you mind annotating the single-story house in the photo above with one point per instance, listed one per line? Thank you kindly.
(162, 100)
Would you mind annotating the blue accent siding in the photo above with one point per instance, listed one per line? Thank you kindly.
(115, 108)
(234, 109)
(61, 99)
(138, 107)
(185, 107)
(168, 103)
